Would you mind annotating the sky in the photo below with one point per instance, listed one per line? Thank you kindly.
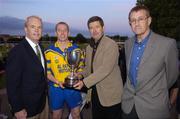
(74, 12)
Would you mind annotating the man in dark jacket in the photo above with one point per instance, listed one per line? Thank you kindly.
(26, 74)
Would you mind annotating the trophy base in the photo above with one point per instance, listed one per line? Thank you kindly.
(69, 83)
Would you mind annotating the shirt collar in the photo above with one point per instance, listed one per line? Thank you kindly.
(144, 40)
(57, 44)
(97, 42)
(94, 44)
(32, 44)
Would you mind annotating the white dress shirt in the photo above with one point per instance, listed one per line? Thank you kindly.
(33, 45)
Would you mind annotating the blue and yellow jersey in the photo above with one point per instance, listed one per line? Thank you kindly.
(57, 64)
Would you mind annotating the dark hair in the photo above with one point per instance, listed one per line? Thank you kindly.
(95, 18)
(138, 8)
(62, 23)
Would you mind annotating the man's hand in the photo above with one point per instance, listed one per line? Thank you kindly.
(61, 84)
(21, 114)
(173, 96)
(79, 85)
(79, 75)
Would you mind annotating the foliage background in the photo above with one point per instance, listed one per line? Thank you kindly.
(165, 16)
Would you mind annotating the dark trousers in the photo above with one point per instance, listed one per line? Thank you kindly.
(101, 112)
(131, 115)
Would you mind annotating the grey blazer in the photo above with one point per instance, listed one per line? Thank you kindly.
(106, 74)
(158, 70)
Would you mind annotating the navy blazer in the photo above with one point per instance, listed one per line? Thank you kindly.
(26, 80)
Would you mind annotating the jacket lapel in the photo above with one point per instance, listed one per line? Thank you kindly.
(31, 52)
(146, 55)
(129, 52)
(42, 50)
(148, 50)
(100, 47)
(98, 50)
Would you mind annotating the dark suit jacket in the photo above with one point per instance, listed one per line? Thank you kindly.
(26, 80)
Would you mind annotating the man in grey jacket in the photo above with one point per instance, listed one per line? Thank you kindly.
(152, 68)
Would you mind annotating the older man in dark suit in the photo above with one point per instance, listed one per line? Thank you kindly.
(26, 75)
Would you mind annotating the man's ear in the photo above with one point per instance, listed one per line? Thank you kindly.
(25, 29)
(103, 28)
(149, 20)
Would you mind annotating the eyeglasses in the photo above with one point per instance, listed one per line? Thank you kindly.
(139, 20)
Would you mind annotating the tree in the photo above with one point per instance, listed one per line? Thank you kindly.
(165, 16)
(80, 38)
(46, 37)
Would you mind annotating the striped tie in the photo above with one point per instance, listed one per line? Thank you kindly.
(38, 52)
